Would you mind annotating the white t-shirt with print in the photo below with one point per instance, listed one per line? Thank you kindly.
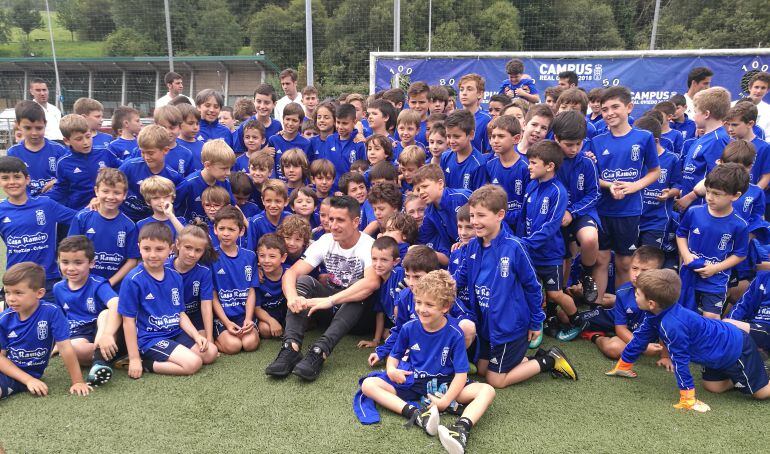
(344, 266)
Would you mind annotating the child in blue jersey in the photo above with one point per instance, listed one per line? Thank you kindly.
(304, 203)
(270, 308)
(29, 329)
(354, 185)
(657, 223)
(325, 120)
(417, 97)
(159, 335)
(289, 137)
(595, 104)
(209, 103)
(93, 111)
(260, 169)
(154, 143)
(382, 117)
(626, 315)
(76, 171)
(113, 233)
(235, 277)
(505, 295)
(471, 94)
(322, 177)
(437, 360)
(385, 200)
(159, 193)
(179, 157)
(716, 234)
(518, 84)
(194, 254)
(537, 123)
(28, 225)
(437, 146)
(752, 311)
(296, 233)
(574, 99)
(294, 168)
(402, 228)
(218, 158)
(379, 149)
(680, 121)
(579, 176)
(461, 162)
(729, 356)
(385, 262)
(465, 233)
(439, 225)
(264, 101)
(711, 108)
(507, 168)
(343, 147)
(539, 227)
(627, 161)
(739, 122)
(188, 134)
(253, 138)
(672, 136)
(38, 153)
(243, 189)
(126, 124)
(91, 308)
(275, 197)
(407, 127)
(414, 157)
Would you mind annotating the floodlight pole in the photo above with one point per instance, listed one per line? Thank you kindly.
(309, 40)
(655, 18)
(430, 20)
(58, 102)
(397, 26)
(168, 37)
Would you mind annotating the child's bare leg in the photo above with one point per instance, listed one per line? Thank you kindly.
(611, 347)
(209, 356)
(712, 315)
(181, 362)
(264, 330)
(719, 386)
(600, 272)
(469, 331)
(383, 393)
(735, 293)
(745, 327)
(588, 237)
(477, 397)
(524, 371)
(622, 269)
(250, 341)
(763, 393)
(563, 301)
(84, 350)
(229, 344)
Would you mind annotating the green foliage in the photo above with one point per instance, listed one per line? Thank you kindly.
(5, 27)
(127, 42)
(69, 16)
(216, 32)
(595, 30)
(24, 14)
(96, 19)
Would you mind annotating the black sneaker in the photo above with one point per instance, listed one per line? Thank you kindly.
(427, 419)
(99, 374)
(590, 289)
(453, 438)
(285, 361)
(310, 367)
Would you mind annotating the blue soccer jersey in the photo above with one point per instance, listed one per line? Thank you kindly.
(215, 130)
(702, 157)
(342, 153)
(657, 215)
(198, 285)
(626, 312)
(457, 175)
(233, 278)
(761, 162)
(751, 207)
(155, 304)
(388, 293)
(41, 164)
(76, 177)
(195, 147)
(123, 148)
(260, 225)
(272, 129)
(136, 171)
(627, 158)
(439, 354)
(674, 141)
(83, 305)
(480, 139)
(280, 144)
(180, 159)
(439, 226)
(754, 305)
(188, 195)
(544, 207)
(713, 239)
(686, 127)
(455, 259)
(28, 343)
(270, 297)
(514, 179)
(115, 240)
(100, 141)
(29, 232)
(168, 223)
(581, 180)
(524, 82)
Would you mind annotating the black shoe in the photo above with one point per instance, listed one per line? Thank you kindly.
(453, 438)
(285, 361)
(590, 289)
(99, 374)
(551, 327)
(427, 419)
(310, 367)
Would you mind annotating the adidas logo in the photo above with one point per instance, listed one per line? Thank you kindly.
(456, 261)
(221, 271)
(606, 152)
(550, 281)
(415, 348)
(198, 199)
(632, 247)
(149, 297)
(494, 181)
(77, 170)
(447, 170)
(473, 256)
(12, 334)
(66, 307)
(493, 361)
(762, 287)
(696, 231)
(91, 230)
(6, 220)
(629, 311)
(739, 385)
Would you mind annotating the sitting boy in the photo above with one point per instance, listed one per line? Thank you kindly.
(270, 307)
(385, 261)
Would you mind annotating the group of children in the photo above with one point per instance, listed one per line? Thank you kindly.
(165, 246)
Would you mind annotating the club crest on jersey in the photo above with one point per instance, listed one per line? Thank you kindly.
(181, 165)
(663, 175)
(42, 330)
(163, 344)
(91, 305)
(723, 241)
(697, 150)
(544, 206)
(635, 151)
(581, 180)
(466, 180)
(247, 271)
(747, 203)
(40, 217)
(352, 156)
(52, 164)
(517, 187)
(175, 296)
(122, 238)
(196, 288)
(102, 164)
(505, 266)
(444, 355)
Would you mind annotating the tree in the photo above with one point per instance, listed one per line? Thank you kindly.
(96, 18)
(208, 38)
(509, 36)
(69, 15)
(130, 43)
(25, 15)
(280, 32)
(5, 28)
(595, 30)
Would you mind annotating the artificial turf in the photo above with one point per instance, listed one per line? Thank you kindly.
(231, 406)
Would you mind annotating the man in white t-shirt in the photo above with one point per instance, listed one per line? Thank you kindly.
(175, 85)
(758, 85)
(38, 88)
(288, 79)
(346, 253)
(698, 79)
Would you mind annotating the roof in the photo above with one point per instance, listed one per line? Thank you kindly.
(183, 63)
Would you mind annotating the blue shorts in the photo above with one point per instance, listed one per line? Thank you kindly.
(420, 388)
(552, 277)
(599, 319)
(619, 234)
(654, 238)
(10, 386)
(163, 349)
(503, 358)
(87, 332)
(748, 373)
(278, 313)
(760, 333)
(220, 328)
(197, 319)
(712, 303)
(569, 233)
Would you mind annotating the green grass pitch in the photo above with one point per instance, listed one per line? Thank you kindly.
(231, 406)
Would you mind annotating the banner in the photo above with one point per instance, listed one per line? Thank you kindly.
(650, 79)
